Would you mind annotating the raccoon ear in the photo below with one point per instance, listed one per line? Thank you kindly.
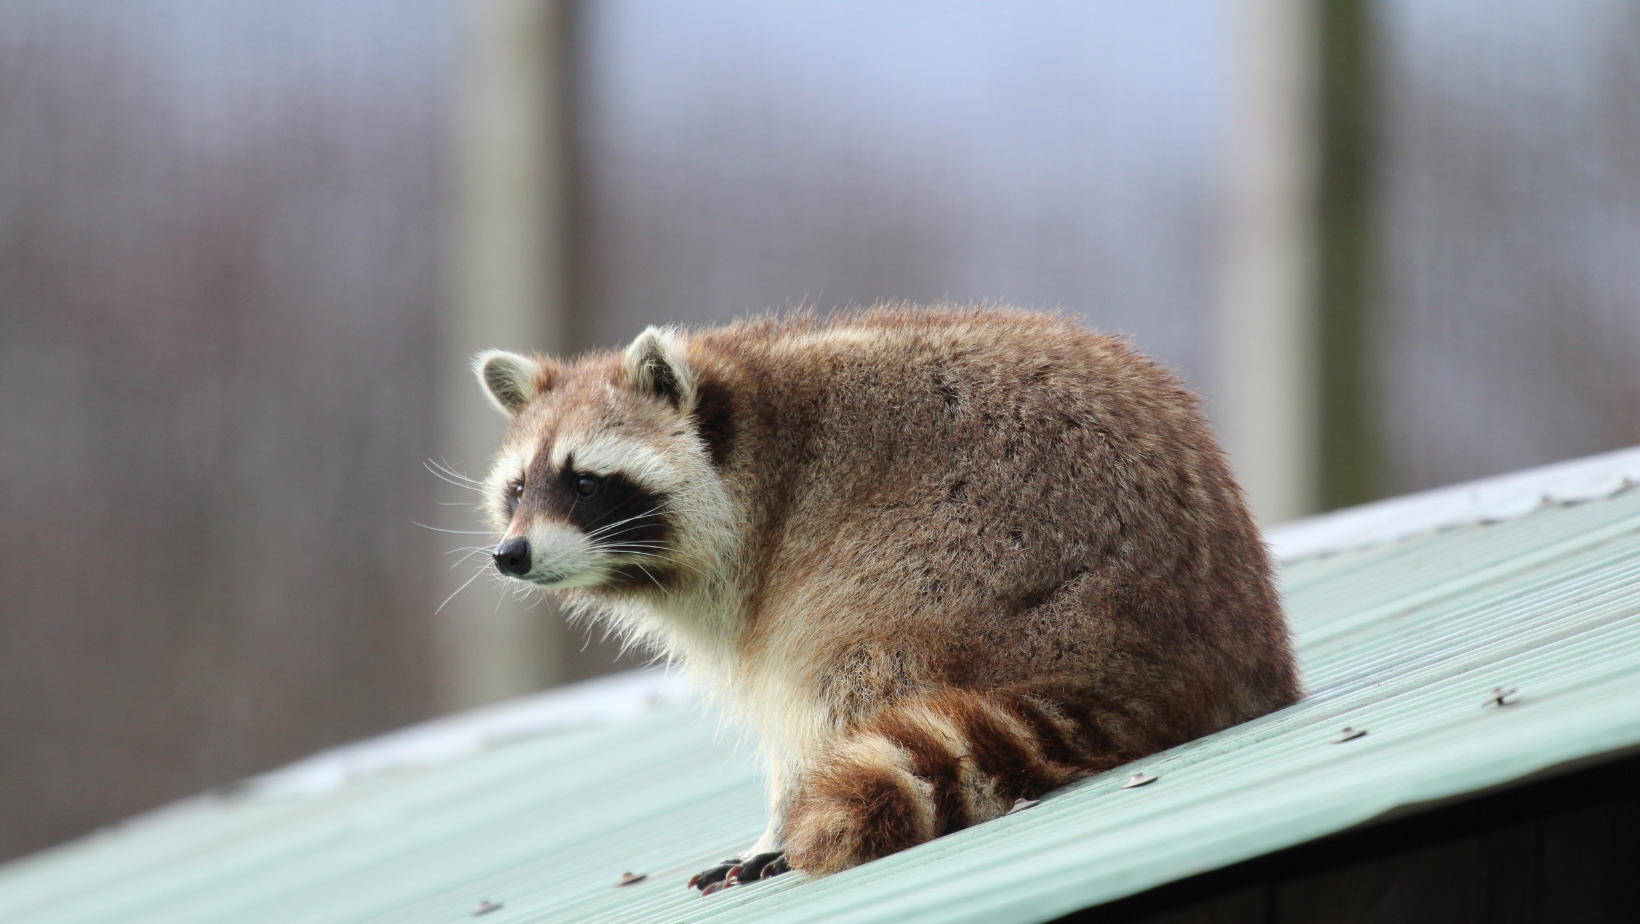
(511, 381)
(656, 365)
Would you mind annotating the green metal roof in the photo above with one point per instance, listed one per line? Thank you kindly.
(1405, 638)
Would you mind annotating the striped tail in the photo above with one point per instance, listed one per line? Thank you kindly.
(942, 761)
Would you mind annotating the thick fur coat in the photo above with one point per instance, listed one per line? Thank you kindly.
(940, 559)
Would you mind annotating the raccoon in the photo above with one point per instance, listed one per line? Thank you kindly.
(940, 559)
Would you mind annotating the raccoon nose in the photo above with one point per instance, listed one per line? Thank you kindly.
(513, 557)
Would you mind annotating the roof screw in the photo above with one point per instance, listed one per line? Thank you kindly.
(1501, 697)
(486, 906)
(1348, 734)
(1139, 778)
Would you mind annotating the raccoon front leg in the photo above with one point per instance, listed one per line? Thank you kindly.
(767, 857)
(763, 859)
(940, 762)
(754, 866)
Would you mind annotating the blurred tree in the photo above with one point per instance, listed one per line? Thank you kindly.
(1350, 456)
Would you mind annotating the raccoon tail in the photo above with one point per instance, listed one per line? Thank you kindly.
(942, 761)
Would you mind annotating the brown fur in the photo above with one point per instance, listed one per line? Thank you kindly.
(963, 556)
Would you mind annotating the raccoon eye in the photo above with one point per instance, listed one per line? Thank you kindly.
(587, 485)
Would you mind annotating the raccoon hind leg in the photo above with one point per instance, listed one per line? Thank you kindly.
(937, 763)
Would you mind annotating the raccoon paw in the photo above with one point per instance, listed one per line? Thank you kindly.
(761, 866)
(735, 871)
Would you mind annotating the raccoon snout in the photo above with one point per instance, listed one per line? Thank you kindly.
(512, 557)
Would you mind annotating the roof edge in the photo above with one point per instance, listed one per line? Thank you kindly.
(1487, 500)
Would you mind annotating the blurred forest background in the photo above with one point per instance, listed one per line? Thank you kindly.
(245, 249)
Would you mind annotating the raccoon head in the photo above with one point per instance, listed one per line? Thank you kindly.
(604, 481)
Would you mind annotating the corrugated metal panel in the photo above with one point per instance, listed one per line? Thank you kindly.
(1404, 639)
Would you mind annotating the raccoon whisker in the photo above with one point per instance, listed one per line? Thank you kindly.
(692, 569)
(446, 469)
(451, 478)
(510, 586)
(498, 600)
(650, 512)
(444, 466)
(617, 545)
(635, 552)
(660, 558)
(476, 575)
(458, 532)
(458, 484)
(604, 529)
(469, 548)
(520, 590)
(652, 578)
(612, 525)
(465, 558)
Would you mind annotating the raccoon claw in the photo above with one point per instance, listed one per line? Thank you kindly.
(735, 871)
(714, 878)
(761, 866)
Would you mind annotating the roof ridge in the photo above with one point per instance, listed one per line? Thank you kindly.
(1485, 500)
(599, 701)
